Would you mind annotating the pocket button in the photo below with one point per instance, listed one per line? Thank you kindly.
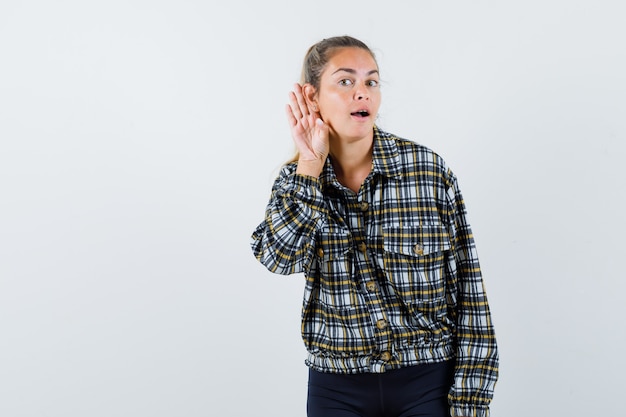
(418, 249)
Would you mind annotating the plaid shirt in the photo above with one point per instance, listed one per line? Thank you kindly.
(392, 275)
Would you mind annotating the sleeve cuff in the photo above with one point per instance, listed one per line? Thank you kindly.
(302, 187)
(306, 180)
(467, 410)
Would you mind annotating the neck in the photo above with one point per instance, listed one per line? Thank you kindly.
(352, 161)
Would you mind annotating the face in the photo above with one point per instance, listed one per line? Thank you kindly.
(349, 94)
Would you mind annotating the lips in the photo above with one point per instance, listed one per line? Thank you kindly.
(360, 113)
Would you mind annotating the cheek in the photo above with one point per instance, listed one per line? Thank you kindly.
(332, 103)
(376, 106)
(327, 109)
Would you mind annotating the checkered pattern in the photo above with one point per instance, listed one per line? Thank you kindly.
(392, 274)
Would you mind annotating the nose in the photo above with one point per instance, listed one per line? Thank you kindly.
(361, 92)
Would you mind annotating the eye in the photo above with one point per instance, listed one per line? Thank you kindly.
(345, 82)
(372, 83)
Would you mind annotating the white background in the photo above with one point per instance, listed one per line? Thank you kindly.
(139, 141)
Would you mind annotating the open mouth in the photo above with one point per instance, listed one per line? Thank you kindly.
(360, 113)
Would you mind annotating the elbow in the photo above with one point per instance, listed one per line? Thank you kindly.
(278, 265)
(274, 261)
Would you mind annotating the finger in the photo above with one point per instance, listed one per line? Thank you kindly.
(290, 117)
(322, 127)
(304, 107)
(295, 107)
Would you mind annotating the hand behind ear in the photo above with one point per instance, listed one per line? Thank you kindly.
(309, 132)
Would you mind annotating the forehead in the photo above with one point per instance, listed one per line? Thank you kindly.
(357, 59)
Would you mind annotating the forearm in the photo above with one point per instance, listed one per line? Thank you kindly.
(476, 369)
(477, 353)
(283, 241)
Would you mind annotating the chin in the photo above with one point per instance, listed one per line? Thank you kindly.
(353, 132)
(363, 130)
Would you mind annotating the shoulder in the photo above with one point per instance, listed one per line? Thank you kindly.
(414, 155)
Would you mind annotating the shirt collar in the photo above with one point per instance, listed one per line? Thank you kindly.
(385, 154)
(386, 159)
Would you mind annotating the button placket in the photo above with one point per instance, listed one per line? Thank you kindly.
(358, 220)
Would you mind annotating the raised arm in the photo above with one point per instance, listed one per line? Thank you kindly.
(284, 241)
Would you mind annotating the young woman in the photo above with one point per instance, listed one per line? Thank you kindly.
(395, 318)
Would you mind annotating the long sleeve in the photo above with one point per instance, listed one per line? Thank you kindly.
(477, 355)
(284, 241)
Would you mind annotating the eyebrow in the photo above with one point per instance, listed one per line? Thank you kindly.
(351, 71)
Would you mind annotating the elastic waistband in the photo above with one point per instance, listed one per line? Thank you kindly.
(399, 357)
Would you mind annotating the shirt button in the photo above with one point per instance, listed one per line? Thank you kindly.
(385, 356)
(320, 252)
(364, 205)
(362, 247)
(381, 324)
(418, 249)
(371, 286)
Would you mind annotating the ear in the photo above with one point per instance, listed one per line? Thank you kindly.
(310, 95)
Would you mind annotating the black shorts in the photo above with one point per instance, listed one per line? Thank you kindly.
(420, 390)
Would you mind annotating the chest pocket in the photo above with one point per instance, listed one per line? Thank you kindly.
(415, 261)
